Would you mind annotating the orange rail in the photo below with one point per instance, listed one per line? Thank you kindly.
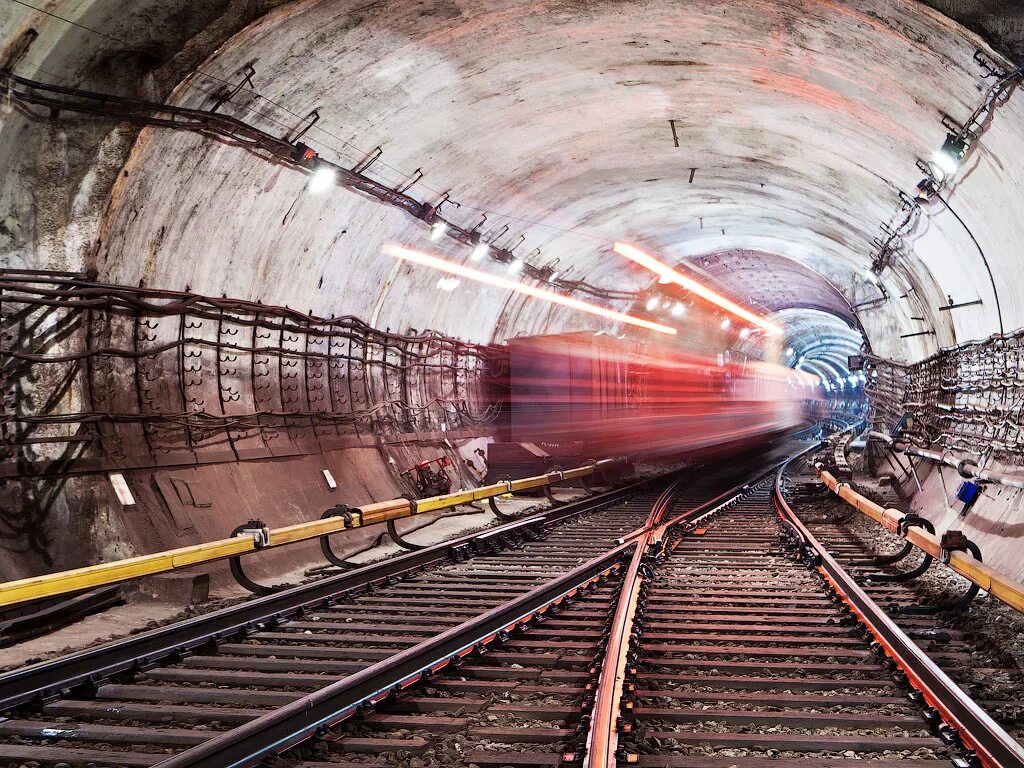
(1000, 586)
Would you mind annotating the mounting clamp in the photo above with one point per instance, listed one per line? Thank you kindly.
(954, 541)
(261, 537)
(350, 515)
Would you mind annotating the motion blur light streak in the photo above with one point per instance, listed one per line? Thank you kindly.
(574, 392)
(510, 285)
(667, 274)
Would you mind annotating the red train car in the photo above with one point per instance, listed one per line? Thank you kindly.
(584, 396)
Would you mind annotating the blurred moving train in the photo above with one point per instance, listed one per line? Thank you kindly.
(578, 396)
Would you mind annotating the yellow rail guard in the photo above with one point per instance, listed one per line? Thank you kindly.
(64, 582)
(996, 584)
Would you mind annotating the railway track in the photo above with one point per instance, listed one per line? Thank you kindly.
(740, 653)
(176, 688)
(687, 626)
(746, 659)
(962, 646)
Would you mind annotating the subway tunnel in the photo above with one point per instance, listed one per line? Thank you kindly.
(206, 324)
(774, 150)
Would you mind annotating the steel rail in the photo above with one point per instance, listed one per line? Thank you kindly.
(259, 539)
(999, 585)
(292, 724)
(87, 667)
(602, 740)
(316, 713)
(978, 732)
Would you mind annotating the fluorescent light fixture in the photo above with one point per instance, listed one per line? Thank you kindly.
(514, 266)
(789, 351)
(744, 333)
(726, 322)
(667, 274)
(437, 230)
(479, 252)
(652, 303)
(321, 180)
(678, 309)
(451, 268)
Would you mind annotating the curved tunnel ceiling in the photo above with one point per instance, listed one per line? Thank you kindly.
(772, 283)
(780, 129)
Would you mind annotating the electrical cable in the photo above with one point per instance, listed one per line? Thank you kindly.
(992, 280)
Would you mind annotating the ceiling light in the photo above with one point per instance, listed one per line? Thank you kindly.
(652, 303)
(479, 252)
(726, 322)
(948, 158)
(437, 230)
(678, 309)
(451, 268)
(448, 283)
(789, 350)
(514, 266)
(321, 180)
(744, 333)
(670, 275)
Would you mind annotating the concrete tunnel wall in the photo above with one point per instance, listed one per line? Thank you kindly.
(802, 119)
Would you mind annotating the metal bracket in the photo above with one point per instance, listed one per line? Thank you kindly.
(555, 474)
(325, 541)
(497, 512)
(908, 521)
(261, 537)
(951, 541)
(494, 504)
(397, 538)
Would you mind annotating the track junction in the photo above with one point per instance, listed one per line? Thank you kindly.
(688, 621)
